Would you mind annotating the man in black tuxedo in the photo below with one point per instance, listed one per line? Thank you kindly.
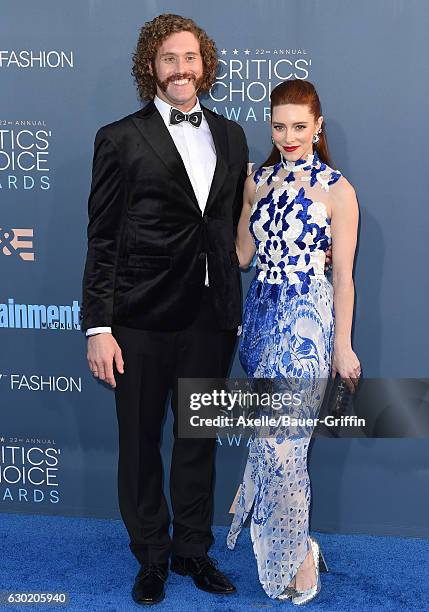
(161, 290)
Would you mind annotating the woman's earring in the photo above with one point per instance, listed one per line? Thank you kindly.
(316, 137)
(272, 140)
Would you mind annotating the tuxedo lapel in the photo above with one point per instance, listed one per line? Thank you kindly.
(152, 127)
(218, 130)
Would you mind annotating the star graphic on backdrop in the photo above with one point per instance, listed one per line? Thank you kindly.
(235, 52)
(223, 51)
(247, 52)
(1, 439)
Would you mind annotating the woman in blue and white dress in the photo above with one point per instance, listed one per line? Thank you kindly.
(295, 207)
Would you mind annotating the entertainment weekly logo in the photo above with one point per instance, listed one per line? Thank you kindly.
(26, 58)
(29, 470)
(24, 155)
(247, 76)
(39, 316)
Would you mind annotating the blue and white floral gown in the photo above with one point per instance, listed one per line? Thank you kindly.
(288, 330)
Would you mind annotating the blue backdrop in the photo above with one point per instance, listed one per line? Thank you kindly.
(65, 70)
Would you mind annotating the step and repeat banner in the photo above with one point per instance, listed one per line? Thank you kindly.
(65, 70)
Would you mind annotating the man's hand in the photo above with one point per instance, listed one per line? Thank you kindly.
(328, 259)
(102, 350)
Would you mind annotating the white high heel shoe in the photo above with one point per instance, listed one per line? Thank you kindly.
(302, 597)
(288, 593)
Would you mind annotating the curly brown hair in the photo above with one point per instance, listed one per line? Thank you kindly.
(152, 35)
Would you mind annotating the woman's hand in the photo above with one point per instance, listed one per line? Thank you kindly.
(328, 259)
(347, 365)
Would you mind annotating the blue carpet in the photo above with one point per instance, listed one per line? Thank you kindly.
(90, 560)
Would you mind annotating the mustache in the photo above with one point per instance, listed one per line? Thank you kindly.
(179, 76)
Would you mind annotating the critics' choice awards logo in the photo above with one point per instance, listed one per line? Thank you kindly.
(17, 243)
(41, 382)
(247, 76)
(36, 59)
(24, 155)
(39, 316)
(29, 470)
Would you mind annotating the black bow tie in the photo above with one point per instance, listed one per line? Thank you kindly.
(177, 117)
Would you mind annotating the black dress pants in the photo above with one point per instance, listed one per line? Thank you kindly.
(154, 360)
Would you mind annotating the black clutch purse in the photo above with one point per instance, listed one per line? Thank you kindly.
(337, 402)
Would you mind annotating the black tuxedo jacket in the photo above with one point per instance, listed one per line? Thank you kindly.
(147, 238)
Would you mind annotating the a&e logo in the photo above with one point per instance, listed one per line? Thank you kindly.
(17, 243)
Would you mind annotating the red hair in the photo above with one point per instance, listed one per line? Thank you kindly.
(298, 91)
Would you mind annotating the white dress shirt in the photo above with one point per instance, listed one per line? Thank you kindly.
(198, 153)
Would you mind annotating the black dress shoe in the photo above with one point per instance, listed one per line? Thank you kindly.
(149, 584)
(204, 573)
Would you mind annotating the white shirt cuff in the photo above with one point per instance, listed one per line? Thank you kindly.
(98, 330)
